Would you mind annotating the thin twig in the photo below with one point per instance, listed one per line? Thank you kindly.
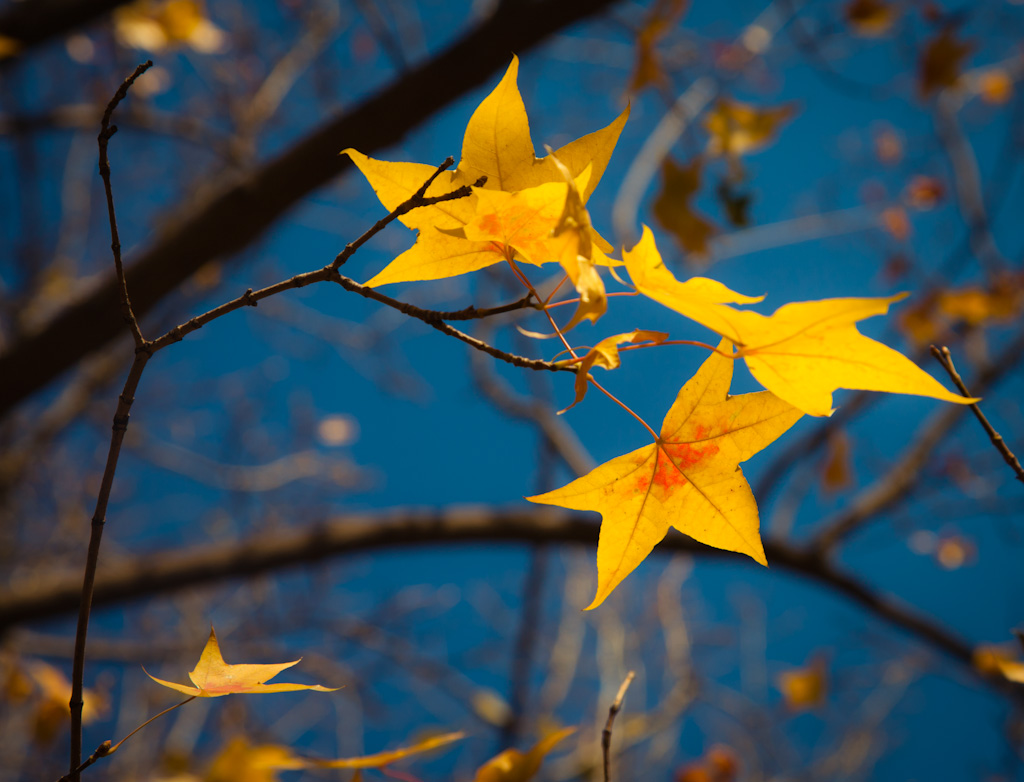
(121, 414)
(903, 476)
(106, 131)
(106, 749)
(943, 356)
(606, 734)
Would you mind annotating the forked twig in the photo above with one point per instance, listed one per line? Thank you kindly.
(606, 734)
(942, 355)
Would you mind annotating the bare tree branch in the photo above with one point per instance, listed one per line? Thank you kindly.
(238, 213)
(351, 534)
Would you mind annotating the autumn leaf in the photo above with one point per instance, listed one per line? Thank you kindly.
(497, 145)
(941, 62)
(515, 766)
(720, 763)
(156, 25)
(673, 211)
(737, 128)
(213, 677)
(837, 468)
(804, 351)
(697, 298)
(804, 688)
(661, 17)
(688, 479)
(291, 761)
(871, 18)
(605, 354)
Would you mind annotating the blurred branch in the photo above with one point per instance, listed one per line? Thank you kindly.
(38, 21)
(606, 734)
(239, 211)
(350, 534)
(967, 183)
(943, 356)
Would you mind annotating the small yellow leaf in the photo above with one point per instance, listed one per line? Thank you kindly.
(661, 17)
(688, 479)
(737, 128)
(156, 25)
(213, 677)
(805, 688)
(515, 766)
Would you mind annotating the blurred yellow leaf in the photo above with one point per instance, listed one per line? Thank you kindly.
(740, 128)
(661, 17)
(9, 47)
(213, 677)
(804, 688)
(156, 25)
(515, 766)
(719, 764)
(673, 211)
(286, 760)
(52, 694)
(924, 192)
(689, 478)
(995, 86)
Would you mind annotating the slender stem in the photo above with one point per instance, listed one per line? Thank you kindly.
(942, 355)
(577, 299)
(120, 425)
(606, 734)
(105, 749)
(124, 405)
(106, 131)
(625, 407)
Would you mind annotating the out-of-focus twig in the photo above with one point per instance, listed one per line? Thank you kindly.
(606, 734)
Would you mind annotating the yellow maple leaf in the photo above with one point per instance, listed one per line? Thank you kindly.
(673, 211)
(213, 677)
(737, 128)
(515, 766)
(804, 351)
(497, 145)
(688, 479)
(697, 298)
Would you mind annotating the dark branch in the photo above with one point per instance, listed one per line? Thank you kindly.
(404, 529)
(230, 219)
